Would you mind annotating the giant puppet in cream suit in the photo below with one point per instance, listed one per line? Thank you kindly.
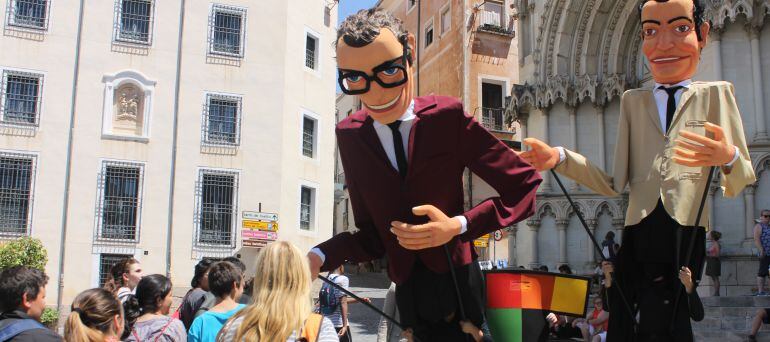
(668, 137)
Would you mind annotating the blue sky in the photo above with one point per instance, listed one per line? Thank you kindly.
(348, 7)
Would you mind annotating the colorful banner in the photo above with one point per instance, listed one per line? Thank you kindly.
(518, 300)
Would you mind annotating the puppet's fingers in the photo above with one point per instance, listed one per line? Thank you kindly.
(410, 233)
(719, 133)
(415, 241)
(693, 147)
(691, 155)
(689, 162)
(414, 247)
(703, 140)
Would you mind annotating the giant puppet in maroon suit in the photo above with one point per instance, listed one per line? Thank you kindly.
(404, 158)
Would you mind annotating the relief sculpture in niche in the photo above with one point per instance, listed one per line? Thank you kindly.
(128, 109)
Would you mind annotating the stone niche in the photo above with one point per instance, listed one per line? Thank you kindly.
(127, 106)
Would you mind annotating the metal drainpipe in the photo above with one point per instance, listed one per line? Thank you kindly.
(172, 183)
(419, 33)
(68, 163)
(466, 87)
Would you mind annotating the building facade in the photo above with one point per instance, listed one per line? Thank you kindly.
(577, 58)
(151, 129)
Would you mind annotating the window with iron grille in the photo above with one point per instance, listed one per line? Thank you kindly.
(446, 19)
(106, 261)
(311, 51)
(17, 173)
(217, 208)
(306, 212)
(308, 137)
(133, 21)
(29, 14)
(120, 201)
(226, 30)
(21, 97)
(222, 120)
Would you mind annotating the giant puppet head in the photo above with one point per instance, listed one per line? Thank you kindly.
(374, 58)
(673, 34)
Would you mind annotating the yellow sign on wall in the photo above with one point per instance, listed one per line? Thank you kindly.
(261, 225)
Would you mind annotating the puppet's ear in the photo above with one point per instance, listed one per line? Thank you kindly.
(705, 28)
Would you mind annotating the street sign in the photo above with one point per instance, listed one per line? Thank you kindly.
(481, 243)
(255, 243)
(498, 235)
(257, 216)
(259, 229)
(258, 234)
(261, 225)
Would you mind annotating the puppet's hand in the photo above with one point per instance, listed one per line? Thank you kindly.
(685, 276)
(704, 151)
(315, 264)
(540, 155)
(437, 232)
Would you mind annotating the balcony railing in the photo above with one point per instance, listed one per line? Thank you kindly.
(493, 119)
(494, 22)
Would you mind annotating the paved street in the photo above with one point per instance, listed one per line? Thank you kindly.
(364, 321)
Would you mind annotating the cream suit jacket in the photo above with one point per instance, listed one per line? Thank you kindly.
(643, 154)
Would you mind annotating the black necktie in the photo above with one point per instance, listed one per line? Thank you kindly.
(398, 145)
(670, 104)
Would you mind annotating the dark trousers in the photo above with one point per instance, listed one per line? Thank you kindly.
(347, 337)
(427, 299)
(646, 271)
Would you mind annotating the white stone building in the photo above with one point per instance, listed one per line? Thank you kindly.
(577, 58)
(147, 128)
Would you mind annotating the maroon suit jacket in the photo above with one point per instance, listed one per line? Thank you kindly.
(442, 143)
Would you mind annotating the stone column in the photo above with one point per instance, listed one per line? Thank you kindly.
(561, 227)
(600, 117)
(618, 225)
(592, 224)
(545, 186)
(512, 239)
(748, 203)
(534, 227)
(572, 110)
(716, 42)
(524, 123)
(756, 72)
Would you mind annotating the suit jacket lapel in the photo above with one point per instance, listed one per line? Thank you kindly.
(651, 107)
(369, 136)
(421, 104)
(682, 104)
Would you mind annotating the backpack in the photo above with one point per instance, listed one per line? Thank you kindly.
(328, 301)
(312, 328)
(16, 328)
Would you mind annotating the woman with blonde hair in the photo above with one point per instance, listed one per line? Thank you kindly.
(96, 316)
(281, 306)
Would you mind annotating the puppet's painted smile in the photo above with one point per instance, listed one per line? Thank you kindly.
(664, 60)
(384, 107)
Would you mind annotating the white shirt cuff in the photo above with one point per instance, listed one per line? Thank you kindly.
(737, 155)
(317, 251)
(562, 155)
(463, 222)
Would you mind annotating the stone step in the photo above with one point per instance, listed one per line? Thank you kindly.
(727, 336)
(737, 301)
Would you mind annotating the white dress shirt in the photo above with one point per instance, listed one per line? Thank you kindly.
(661, 100)
(386, 139)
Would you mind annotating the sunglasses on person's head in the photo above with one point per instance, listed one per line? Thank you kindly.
(390, 74)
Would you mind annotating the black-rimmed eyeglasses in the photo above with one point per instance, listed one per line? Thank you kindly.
(390, 74)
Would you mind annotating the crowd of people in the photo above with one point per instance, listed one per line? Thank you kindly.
(132, 306)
